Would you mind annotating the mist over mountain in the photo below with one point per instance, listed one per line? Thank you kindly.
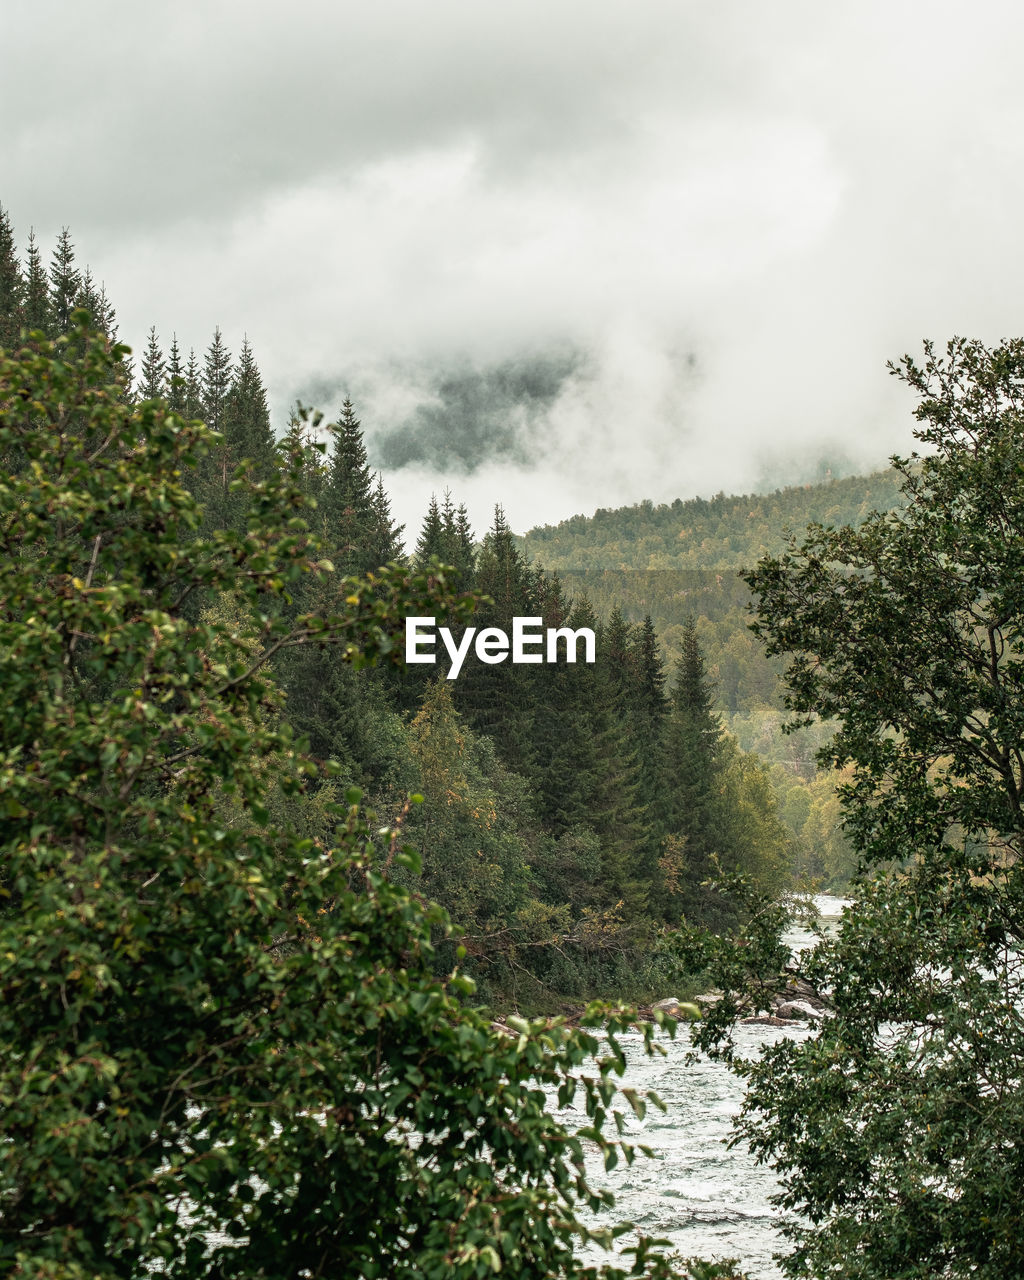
(478, 415)
(566, 429)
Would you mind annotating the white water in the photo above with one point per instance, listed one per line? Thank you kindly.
(709, 1200)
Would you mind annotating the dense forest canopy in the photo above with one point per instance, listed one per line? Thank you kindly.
(229, 1042)
(261, 886)
(571, 812)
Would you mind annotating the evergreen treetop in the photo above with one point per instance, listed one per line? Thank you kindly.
(37, 311)
(154, 369)
(12, 285)
(216, 380)
(65, 282)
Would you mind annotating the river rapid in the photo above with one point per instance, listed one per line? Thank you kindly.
(710, 1200)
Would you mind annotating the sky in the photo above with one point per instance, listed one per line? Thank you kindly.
(561, 255)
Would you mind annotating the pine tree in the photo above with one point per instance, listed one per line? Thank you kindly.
(430, 543)
(36, 312)
(216, 380)
(65, 281)
(348, 501)
(386, 536)
(245, 420)
(648, 711)
(154, 369)
(693, 766)
(500, 700)
(192, 396)
(12, 285)
(175, 378)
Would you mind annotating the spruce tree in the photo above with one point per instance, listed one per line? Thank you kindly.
(693, 764)
(12, 285)
(648, 709)
(348, 500)
(430, 543)
(562, 736)
(299, 451)
(93, 298)
(615, 658)
(446, 534)
(458, 550)
(245, 420)
(216, 380)
(65, 281)
(616, 815)
(36, 312)
(88, 297)
(386, 536)
(206, 397)
(175, 379)
(106, 316)
(465, 550)
(693, 701)
(499, 700)
(192, 398)
(154, 369)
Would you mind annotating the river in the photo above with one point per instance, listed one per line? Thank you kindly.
(709, 1200)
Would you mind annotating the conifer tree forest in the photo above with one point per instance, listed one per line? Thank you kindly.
(571, 813)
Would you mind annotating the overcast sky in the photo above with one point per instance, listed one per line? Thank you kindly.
(678, 241)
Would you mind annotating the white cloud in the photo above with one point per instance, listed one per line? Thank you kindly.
(735, 213)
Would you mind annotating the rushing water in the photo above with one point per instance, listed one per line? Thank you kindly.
(710, 1200)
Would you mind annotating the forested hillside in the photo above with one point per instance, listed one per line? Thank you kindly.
(232, 1042)
(683, 560)
(571, 812)
(726, 532)
(679, 564)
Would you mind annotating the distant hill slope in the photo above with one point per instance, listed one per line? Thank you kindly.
(724, 532)
(682, 559)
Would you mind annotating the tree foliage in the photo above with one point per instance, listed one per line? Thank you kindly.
(224, 1051)
(897, 1127)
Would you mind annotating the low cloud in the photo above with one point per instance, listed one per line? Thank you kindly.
(560, 256)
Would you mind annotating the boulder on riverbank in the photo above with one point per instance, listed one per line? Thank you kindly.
(669, 1005)
(793, 1000)
(794, 988)
(801, 1009)
(672, 1007)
